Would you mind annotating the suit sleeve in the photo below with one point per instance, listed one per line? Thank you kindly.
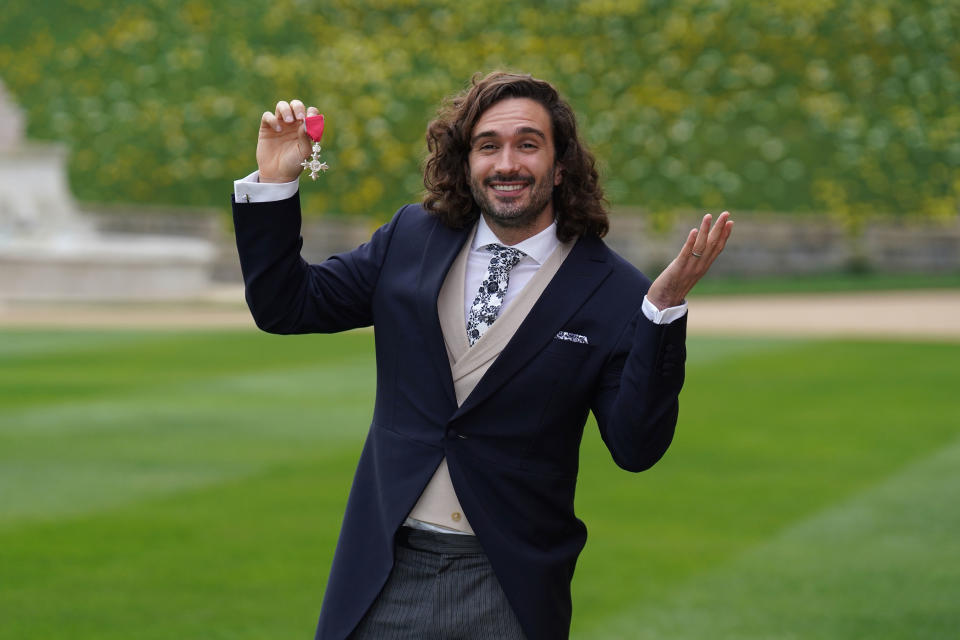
(285, 293)
(636, 403)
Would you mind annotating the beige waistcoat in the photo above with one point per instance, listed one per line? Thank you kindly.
(438, 504)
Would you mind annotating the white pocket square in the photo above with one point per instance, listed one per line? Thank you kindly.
(572, 337)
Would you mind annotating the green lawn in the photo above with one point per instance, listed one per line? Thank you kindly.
(190, 485)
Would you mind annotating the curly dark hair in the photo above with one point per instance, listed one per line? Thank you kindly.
(577, 201)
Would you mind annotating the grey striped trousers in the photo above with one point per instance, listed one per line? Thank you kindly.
(442, 587)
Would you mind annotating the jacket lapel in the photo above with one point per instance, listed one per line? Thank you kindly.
(579, 276)
(440, 250)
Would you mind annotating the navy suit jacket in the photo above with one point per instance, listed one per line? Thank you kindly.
(512, 447)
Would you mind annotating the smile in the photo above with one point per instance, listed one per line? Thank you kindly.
(508, 187)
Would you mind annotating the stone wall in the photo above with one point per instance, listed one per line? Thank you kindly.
(771, 244)
(798, 244)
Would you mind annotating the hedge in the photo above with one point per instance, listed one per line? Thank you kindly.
(788, 105)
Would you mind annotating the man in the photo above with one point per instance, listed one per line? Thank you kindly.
(501, 321)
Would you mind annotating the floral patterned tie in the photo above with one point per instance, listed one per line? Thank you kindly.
(486, 306)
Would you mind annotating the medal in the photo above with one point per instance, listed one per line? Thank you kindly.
(314, 125)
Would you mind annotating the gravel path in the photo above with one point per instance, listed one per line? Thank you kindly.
(928, 314)
(932, 314)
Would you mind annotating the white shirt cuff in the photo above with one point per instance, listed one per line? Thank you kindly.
(250, 189)
(666, 316)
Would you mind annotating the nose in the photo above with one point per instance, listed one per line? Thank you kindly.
(507, 160)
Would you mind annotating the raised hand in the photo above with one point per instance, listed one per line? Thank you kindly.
(702, 247)
(283, 142)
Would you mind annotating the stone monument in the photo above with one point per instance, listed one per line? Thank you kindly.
(49, 250)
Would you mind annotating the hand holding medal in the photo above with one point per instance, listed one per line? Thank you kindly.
(289, 142)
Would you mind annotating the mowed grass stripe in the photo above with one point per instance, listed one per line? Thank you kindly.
(242, 559)
(111, 364)
(156, 413)
(884, 564)
(31, 344)
(53, 490)
(771, 433)
(117, 407)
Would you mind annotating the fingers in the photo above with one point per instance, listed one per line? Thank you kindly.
(701, 237)
(269, 121)
(718, 235)
(711, 239)
(688, 246)
(299, 111)
(292, 111)
(718, 229)
(724, 228)
(286, 113)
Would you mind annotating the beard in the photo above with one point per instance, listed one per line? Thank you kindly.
(513, 214)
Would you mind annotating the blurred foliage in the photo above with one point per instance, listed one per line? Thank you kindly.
(837, 105)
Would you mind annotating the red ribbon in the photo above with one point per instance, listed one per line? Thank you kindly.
(314, 126)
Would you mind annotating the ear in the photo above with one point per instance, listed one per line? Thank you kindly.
(557, 174)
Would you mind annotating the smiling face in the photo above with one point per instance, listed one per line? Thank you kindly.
(513, 171)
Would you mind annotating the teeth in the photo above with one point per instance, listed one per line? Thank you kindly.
(507, 187)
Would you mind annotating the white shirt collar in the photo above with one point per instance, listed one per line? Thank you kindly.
(538, 247)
